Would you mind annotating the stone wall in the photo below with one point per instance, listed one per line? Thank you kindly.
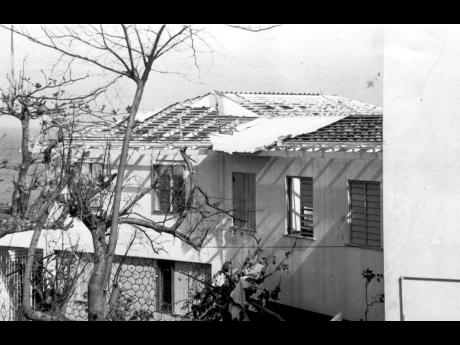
(137, 279)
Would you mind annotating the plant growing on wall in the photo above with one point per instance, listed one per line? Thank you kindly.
(369, 276)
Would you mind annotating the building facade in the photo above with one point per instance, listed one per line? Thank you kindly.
(296, 172)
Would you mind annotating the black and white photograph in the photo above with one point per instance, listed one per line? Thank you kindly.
(229, 172)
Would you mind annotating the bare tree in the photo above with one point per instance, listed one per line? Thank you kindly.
(47, 102)
(44, 100)
(127, 51)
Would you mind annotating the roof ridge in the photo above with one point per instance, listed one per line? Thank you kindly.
(272, 93)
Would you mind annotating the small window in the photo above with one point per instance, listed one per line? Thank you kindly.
(300, 206)
(165, 286)
(92, 169)
(244, 200)
(365, 213)
(168, 194)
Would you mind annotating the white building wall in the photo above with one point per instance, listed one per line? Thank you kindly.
(326, 279)
(208, 175)
(324, 274)
(422, 171)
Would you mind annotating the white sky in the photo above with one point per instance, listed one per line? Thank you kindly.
(333, 59)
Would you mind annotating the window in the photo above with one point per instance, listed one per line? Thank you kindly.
(93, 170)
(300, 206)
(165, 284)
(168, 195)
(244, 200)
(364, 217)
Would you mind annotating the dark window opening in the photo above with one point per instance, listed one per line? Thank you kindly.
(93, 170)
(168, 194)
(165, 290)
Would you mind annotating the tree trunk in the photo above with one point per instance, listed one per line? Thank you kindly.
(96, 288)
(113, 239)
(96, 297)
(21, 192)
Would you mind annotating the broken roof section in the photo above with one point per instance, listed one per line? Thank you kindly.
(285, 116)
(187, 123)
(264, 132)
(245, 122)
(268, 104)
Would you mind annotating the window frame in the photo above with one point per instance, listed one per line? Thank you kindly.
(153, 197)
(288, 188)
(349, 218)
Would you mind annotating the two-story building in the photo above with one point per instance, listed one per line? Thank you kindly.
(300, 172)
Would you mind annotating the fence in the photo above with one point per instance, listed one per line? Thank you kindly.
(12, 263)
(441, 305)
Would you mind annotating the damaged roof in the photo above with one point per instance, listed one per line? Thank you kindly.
(178, 125)
(195, 121)
(269, 104)
(352, 129)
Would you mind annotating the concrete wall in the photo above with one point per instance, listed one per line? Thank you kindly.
(324, 274)
(421, 168)
(208, 176)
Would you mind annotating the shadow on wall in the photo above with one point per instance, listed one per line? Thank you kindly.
(324, 275)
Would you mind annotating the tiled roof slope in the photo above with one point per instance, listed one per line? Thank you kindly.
(192, 121)
(354, 128)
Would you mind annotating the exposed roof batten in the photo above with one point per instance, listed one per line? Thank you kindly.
(300, 118)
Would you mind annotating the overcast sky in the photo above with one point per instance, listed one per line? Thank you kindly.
(332, 59)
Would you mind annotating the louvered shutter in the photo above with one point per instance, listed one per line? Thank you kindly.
(244, 200)
(306, 196)
(238, 212)
(250, 200)
(365, 213)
